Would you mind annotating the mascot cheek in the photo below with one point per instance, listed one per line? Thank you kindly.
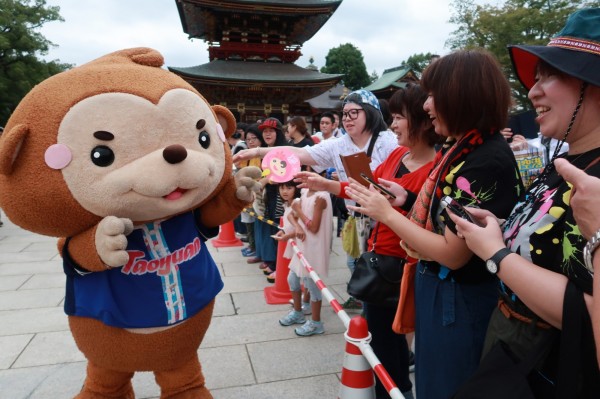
(220, 132)
(58, 156)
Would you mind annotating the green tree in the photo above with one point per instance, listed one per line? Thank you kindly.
(347, 60)
(511, 22)
(20, 47)
(373, 76)
(418, 62)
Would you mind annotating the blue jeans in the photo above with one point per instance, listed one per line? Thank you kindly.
(451, 322)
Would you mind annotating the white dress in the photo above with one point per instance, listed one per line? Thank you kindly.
(316, 248)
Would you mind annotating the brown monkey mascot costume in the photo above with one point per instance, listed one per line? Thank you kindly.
(130, 166)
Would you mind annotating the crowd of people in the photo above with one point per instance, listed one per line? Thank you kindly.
(507, 271)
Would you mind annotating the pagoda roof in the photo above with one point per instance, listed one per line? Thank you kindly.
(393, 78)
(330, 100)
(297, 20)
(252, 73)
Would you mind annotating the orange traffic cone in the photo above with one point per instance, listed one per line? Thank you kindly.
(358, 381)
(280, 292)
(227, 237)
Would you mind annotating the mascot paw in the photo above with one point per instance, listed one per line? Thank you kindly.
(246, 183)
(111, 240)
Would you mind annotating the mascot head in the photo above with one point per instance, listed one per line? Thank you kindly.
(116, 136)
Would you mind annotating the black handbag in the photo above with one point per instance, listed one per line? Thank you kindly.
(376, 278)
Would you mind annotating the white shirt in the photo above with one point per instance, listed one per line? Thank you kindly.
(336, 133)
(327, 153)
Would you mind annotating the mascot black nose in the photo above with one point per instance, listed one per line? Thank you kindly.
(174, 153)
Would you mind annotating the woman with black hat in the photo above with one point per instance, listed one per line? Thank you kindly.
(538, 253)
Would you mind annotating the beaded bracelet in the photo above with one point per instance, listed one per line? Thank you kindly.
(588, 251)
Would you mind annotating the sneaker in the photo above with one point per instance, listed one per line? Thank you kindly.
(292, 317)
(411, 361)
(352, 303)
(306, 309)
(310, 328)
(248, 252)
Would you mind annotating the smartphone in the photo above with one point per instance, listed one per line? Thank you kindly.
(458, 209)
(377, 186)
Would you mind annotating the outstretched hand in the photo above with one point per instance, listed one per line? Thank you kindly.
(311, 180)
(372, 203)
(483, 241)
(244, 155)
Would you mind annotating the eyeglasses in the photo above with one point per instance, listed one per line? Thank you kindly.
(351, 114)
(251, 139)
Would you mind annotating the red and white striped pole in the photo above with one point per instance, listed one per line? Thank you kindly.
(337, 307)
(361, 343)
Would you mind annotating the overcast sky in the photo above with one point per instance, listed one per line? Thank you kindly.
(386, 31)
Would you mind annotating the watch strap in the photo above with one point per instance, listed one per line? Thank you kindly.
(499, 256)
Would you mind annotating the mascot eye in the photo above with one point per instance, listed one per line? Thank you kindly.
(283, 164)
(204, 139)
(102, 156)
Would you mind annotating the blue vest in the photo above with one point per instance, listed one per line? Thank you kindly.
(169, 277)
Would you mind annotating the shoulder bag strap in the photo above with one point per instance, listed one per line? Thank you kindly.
(372, 144)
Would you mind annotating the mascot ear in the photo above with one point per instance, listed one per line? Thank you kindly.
(226, 119)
(10, 146)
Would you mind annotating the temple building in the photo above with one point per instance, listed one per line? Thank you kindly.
(391, 80)
(252, 48)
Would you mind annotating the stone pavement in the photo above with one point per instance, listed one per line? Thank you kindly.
(246, 353)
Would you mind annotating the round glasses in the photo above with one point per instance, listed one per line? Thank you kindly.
(351, 114)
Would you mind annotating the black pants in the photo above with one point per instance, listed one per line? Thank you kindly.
(389, 347)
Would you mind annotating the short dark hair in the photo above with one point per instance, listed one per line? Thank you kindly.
(469, 91)
(408, 102)
(291, 183)
(329, 115)
(253, 128)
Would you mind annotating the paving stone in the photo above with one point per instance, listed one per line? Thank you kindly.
(324, 386)
(34, 320)
(26, 299)
(50, 348)
(11, 347)
(11, 283)
(45, 280)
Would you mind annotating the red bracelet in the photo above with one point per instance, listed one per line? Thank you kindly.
(307, 221)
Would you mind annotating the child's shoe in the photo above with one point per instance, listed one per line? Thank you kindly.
(292, 317)
(310, 328)
(306, 309)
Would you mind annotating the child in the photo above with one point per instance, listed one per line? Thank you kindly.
(288, 192)
(312, 218)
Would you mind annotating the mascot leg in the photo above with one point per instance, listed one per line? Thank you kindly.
(185, 382)
(171, 354)
(102, 383)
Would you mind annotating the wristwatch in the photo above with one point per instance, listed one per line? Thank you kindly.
(589, 249)
(493, 263)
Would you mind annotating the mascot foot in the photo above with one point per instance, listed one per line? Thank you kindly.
(185, 382)
(102, 383)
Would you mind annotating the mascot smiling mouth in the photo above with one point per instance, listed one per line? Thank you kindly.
(176, 194)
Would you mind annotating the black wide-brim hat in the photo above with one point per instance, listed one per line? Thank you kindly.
(575, 51)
